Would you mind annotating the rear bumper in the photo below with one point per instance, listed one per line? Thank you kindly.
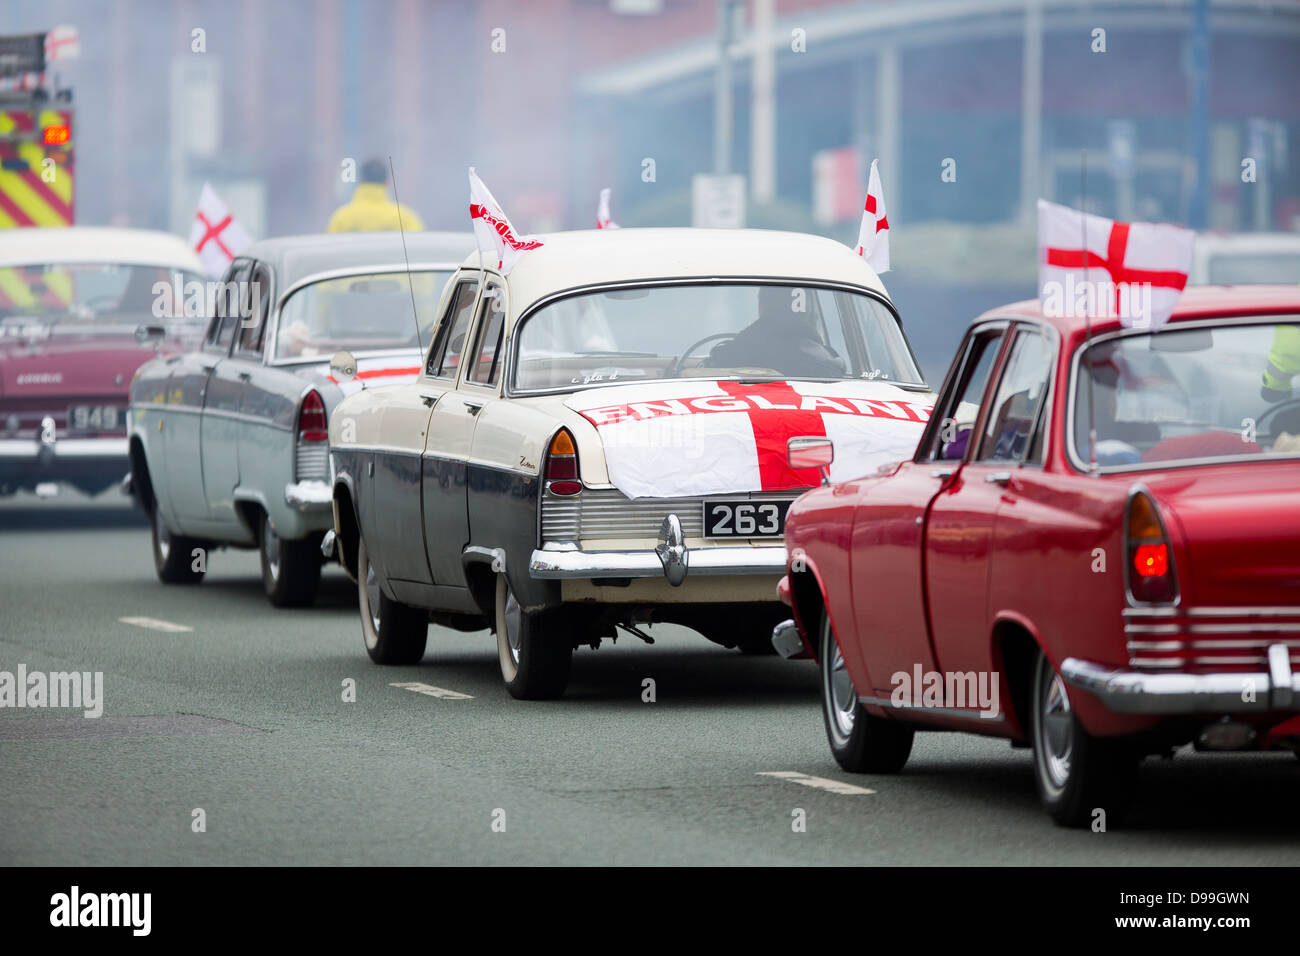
(1135, 692)
(556, 565)
(307, 496)
(16, 450)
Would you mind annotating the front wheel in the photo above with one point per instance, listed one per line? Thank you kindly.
(534, 653)
(394, 633)
(1077, 774)
(860, 741)
(174, 557)
(290, 569)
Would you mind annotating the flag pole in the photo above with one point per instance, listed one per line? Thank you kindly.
(1087, 314)
(415, 312)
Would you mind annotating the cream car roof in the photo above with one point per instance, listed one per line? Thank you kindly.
(569, 260)
(94, 244)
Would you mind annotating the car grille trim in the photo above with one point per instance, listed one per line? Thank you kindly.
(608, 513)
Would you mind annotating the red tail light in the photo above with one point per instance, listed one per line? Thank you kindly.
(561, 466)
(1150, 567)
(312, 426)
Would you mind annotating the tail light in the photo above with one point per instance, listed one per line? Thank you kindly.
(312, 426)
(1148, 557)
(561, 466)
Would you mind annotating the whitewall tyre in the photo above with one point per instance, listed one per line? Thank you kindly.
(393, 633)
(534, 651)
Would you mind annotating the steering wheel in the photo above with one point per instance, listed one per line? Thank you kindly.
(1274, 409)
(676, 368)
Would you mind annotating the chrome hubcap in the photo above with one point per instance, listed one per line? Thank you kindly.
(164, 539)
(514, 626)
(1057, 732)
(840, 692)
(271, 547)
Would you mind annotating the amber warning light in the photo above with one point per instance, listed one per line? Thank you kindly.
(57, 135)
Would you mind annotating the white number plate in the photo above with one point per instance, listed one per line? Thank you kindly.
(743, 518)
(95, 418)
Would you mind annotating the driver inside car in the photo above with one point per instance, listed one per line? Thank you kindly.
(781, 339)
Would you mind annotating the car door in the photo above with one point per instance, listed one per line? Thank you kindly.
(448, 452)
(220, 421)
(264, 447)
(397, 517)
(186, 397)
(889, 532)
(959, 534)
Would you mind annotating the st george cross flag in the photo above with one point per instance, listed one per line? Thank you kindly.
(62, 43)
(701, 437)
(873, 237)
(215, 235)
(1132, 271)
(492, 230)
(602, 212)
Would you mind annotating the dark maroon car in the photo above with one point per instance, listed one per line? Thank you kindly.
(80, 310)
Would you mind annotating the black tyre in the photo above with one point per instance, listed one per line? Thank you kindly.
(1076, 773)
(394, 633)
(535, 652)
(174, 559)
(290, 569)
(860, 742)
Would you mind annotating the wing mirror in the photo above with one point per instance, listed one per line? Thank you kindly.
(343, 366)
(811, 452)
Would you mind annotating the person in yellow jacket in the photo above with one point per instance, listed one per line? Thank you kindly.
(1283, 364)
(370, 209)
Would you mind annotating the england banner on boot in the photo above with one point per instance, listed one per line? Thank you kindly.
(495, 235)
(1131, 271)
(717, 437)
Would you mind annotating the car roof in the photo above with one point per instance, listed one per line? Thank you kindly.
(1197, 301)
(568, 260)
(1246, 243)
(295, 258)
(95, 244)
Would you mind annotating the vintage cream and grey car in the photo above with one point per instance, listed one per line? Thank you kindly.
(227, 444)
(598, 441)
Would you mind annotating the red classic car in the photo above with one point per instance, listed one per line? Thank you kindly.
(79, 312)
(1095, 551)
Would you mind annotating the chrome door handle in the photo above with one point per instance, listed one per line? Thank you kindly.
(998, 478)
(208, 368)
(942, 474)
(245, 376)
(428, 399)
(474, 407)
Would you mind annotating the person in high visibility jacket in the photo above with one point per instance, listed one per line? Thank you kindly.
(1283, 364)
(370, 209)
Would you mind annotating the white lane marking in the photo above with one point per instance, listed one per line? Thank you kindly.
(153, 624)
(431, 691)
(819, 783)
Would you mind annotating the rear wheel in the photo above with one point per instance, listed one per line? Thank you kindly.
(1077, 774)
(534, 651)
(860, 742)
(290, 569)
(394, 633)
(174, 559)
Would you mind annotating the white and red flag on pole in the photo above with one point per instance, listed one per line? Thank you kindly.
(602, 211)
(492, 230)
(873, 237)
(1093, 266)
(62, 43)
(215, 235)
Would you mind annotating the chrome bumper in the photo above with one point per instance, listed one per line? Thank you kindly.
(1135, 692)
(14, 449)
(561, 565)
(309, 496)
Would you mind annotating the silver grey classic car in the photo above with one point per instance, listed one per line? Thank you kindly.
(228, 444)
(598, 441)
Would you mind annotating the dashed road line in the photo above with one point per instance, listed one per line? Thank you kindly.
(154, 624)
(819, 783)
(431, 691)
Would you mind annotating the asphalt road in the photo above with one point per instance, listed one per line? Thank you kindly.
(242, 716)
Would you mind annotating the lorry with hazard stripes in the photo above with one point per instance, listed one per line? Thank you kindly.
(37, 168)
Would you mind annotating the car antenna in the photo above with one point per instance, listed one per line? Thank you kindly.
(415, 312)
(1087, 312)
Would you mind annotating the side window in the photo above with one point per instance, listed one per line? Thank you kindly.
(227, 309)
(960, 405)
(1009, 430)
(487, 346)
(444, 359)
(255, 299)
